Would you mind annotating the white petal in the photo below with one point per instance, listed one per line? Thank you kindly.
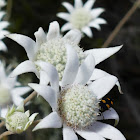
(68, 133)
(3, 47)
(110, 114)
(103, 53)
(20, 90)
(44, 79)
(2, 13)
(11, 81)
(78, 4)
(54, 30)
(17, 100)
(47, 93)
(51, 73)
(51, 121)
(40, 37)
(3, 24)
(26, 42)
(3, 112)
(2, 72)
(71, 67)
(3, 33)
(97, 74)
(24, 67)
(106, 131)
(73, 36)
(85, 71)
(32, 117)
(67, 26)
(102, 86)
(94, 25)
(96, 12)
(99, 21)
(88, 5)
(89, 135)
(64, 16)
(87, 31)
(68, 6)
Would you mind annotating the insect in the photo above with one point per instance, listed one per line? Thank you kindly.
(105, 104)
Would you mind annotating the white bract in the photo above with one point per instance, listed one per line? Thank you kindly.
(3, 25)
(82, 17)
(75, 105)
(17, 120)
(10, 91)
(52, 48)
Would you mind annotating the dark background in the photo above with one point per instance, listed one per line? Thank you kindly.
(26, 16)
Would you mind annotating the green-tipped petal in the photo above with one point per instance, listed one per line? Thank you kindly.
(27, 113)
(20, 108)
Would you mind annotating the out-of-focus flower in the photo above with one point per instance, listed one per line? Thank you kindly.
(17, 120)
(3, 25)
(10, 91)
(52, 49)
(75, 105)
(82, 17)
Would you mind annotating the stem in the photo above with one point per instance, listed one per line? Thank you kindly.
(6, 133)
(121, 23)
(30, 97)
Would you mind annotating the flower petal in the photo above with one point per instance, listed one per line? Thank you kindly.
(51, 73)
(32, 117)
(2, 72)
(96, 12)
(44, 79)
(89, 135)
(67, 26)
(47, 93)
(3, 47)
(40, 37)
(3, 112)
(26, 42)
(110, 114)
(87, 31)
(24, 67)
(3, 24)
(94, 25)
(71, 67)
(73, 36)
(88, 5)
(102, 86)
(68, 6)
(99, 21)
(106, 131)
(78, 4)
(11, 81)
(54, 30)
(51, 121)
(85, 71)
(103, 53)
(97, 74)
(68, 133)
(17, 100)
(3, 33)
(64, 16)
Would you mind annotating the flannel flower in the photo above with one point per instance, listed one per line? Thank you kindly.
(82, 17)
(51, 48)
(3, 25)
(10, 91)
(75, 105)
(17, 120)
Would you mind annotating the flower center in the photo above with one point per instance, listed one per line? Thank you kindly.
(78, 107)
(16, 122)
(5, 97)
(80, 18)
(54, 52)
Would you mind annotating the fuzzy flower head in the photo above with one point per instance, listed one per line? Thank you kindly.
(3, 25)
(82, 17)
(75, 104)
(17, 120)
(10, 90)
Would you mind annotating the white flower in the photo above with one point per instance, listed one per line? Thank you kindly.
(3, 25)
(75, 105)
(52, 49)
(82, 17)
(10, 91)
(17, 120)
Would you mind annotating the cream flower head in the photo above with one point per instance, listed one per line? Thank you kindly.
(3, 25)
(75, 104)
(10, 91)
(82, 17)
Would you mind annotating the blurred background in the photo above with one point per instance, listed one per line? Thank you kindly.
(26, 16)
